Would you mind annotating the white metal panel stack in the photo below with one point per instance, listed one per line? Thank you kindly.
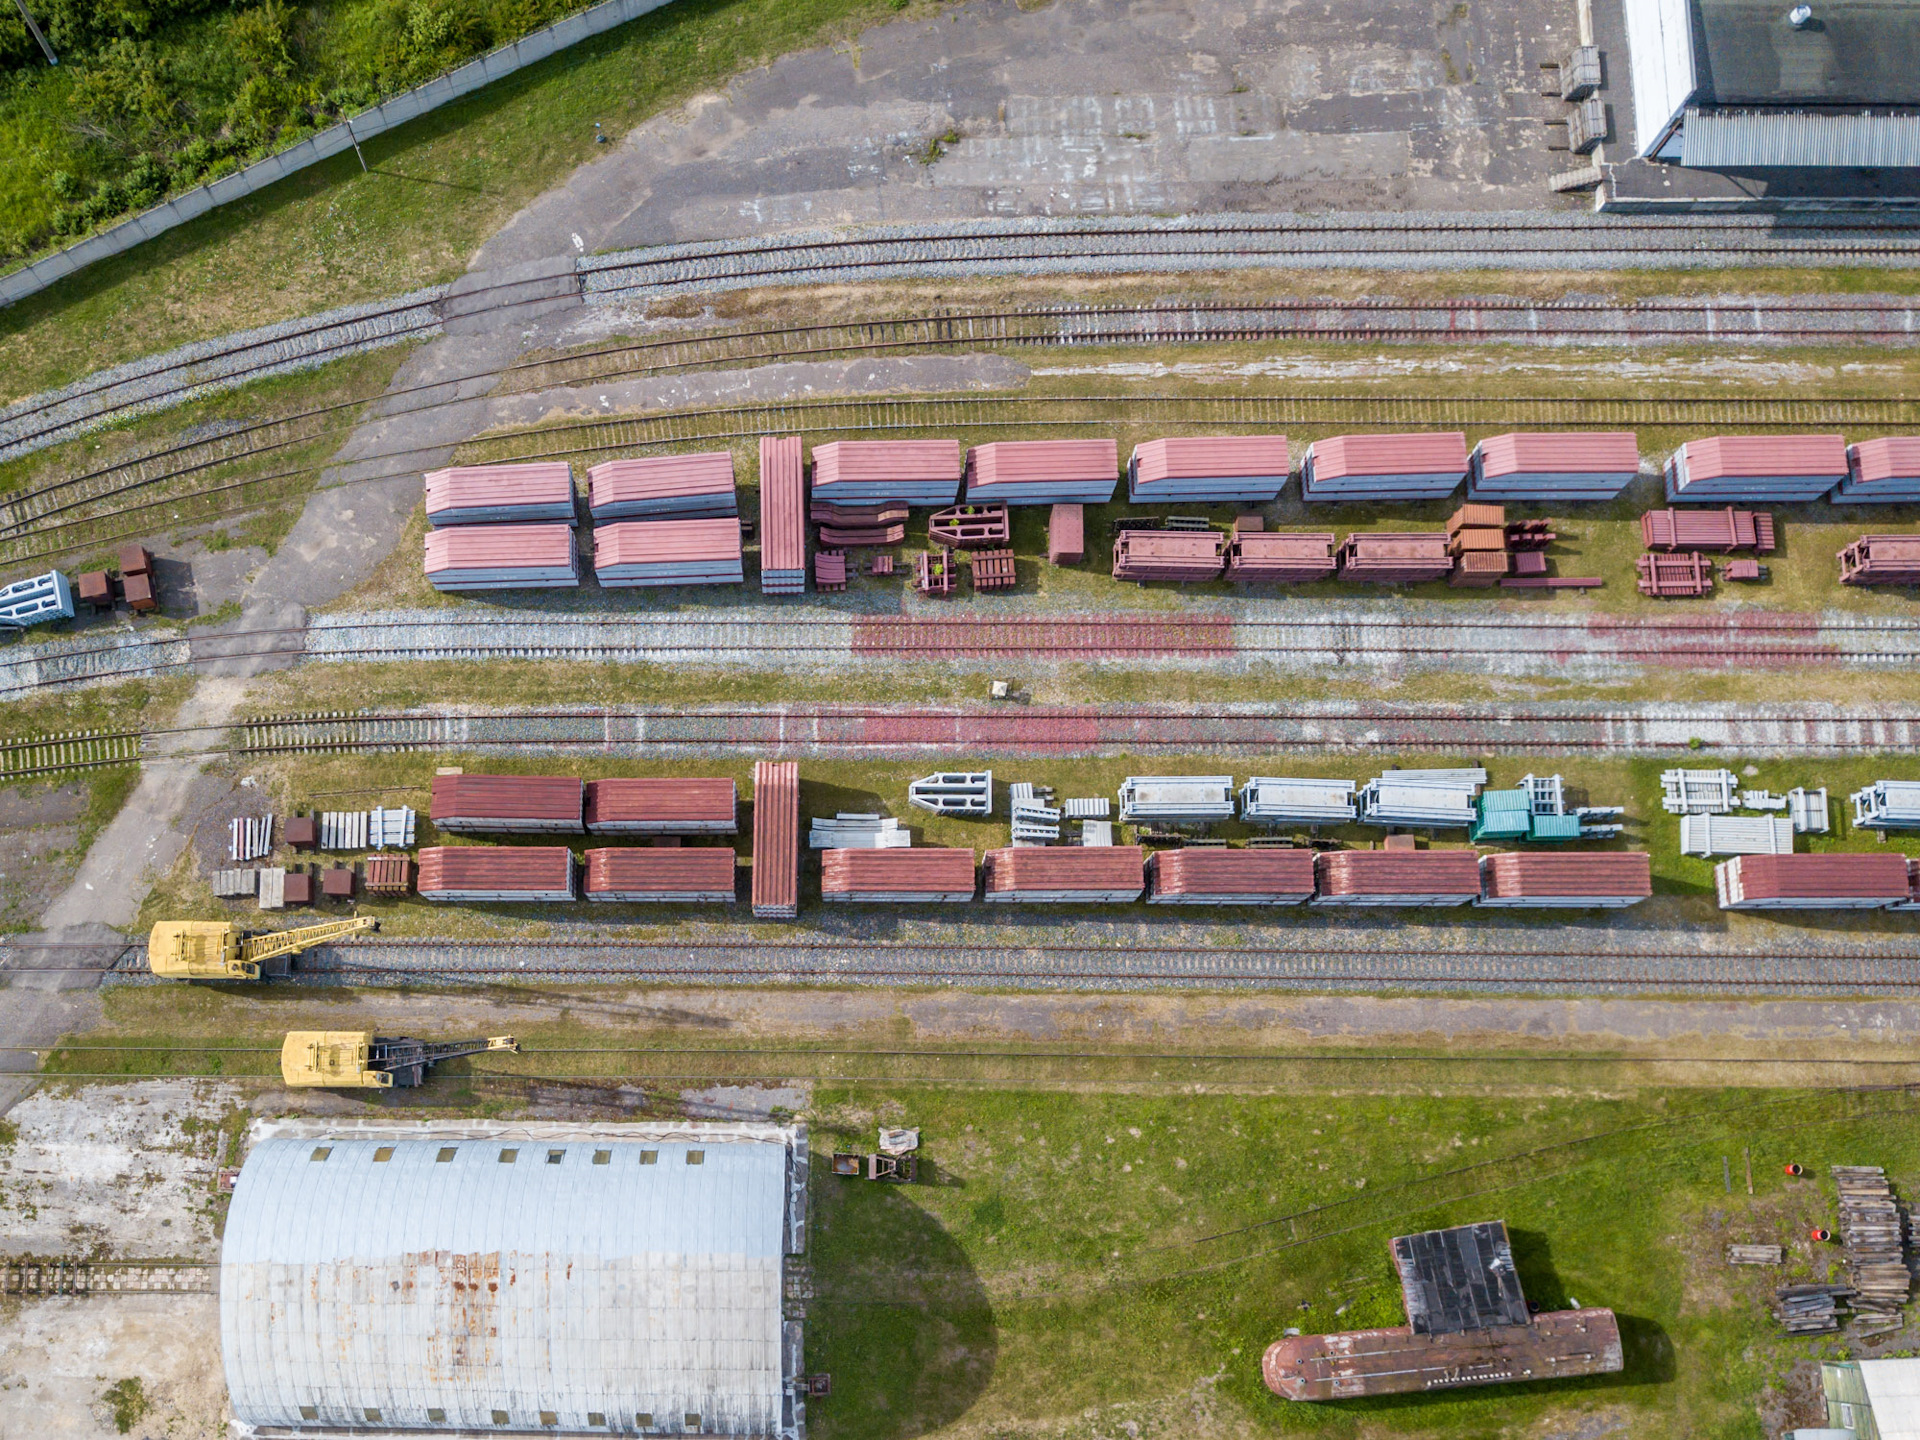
(1281, 800)
(1096, 808)
(343, 830)
(857, 832)
(1698, 792)
(953, 792)
(1888, 805)
(1096, 832)
(234, 884)
(1176, 799)
(1424, 799)
(1710, 834)
(273, 888)
(249, 839)
(1034, 821)
(390, 828)
(1808, 809)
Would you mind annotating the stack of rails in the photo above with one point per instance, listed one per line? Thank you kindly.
(502, 557)
(776, 839)
(1186, 556)
(868, 472)
(508, 804)
(661, 806)
(1587, 879)
(679, 487)
(847, 537)
(1883, 471)
(1279, 557)
(1176, 799)
(1271, 800)
(497, 873)
(1067, 535)
(1873, 1234)
(970, 527)
(1477, 541)
(662, 874)
(1881, 560)
(500, 494)
(845, 525)
(1812, 882)
(1779, 468)
(1043, 472)
(1209, 469)
(1210, 876)
(1577, 466)
(904, 877)
(1384, 467)
(783, 517)
(1718, 530)
(1674, 577)
(668, 552)
(1064, 875)
(1396, 557)
(1397, 877)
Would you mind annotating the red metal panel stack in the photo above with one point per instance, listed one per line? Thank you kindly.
(1595, 465)
(1212, 876)
(1184, 555)
(1396, 558)
(1756, 467)
(1043, 472)
(677, 874)
(1881, 471)
(1245, 469)
(1675, 577)
(500, 494)
(1283, 557)
(686, 487)
(1064, 874)
(517, 804)
(502, 557)
(1067, 535)
(662, 806)
(1811, 882)
(1384, 467)
(1583, 878)
(862, 472)
(1720, 530)
(829, 570)
(1397, 877)
(668, 552)
(783, 517)
(1881, 560)
(478, 873)
(776, 839)
(907, 877)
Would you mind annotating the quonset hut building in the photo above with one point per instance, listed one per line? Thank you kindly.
(617, 1279)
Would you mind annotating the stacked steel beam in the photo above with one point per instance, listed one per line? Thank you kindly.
(1717, 530)
(783, 516)
(1756, 467)
(1811, 882)
(502, 557)
(1210, 876)
(776, 839)
(1183, 555)
(661, 874)
(1210, 469)
(904, 876)
(500, 494)
(511, 804)
(684, 487)
(1043, 472)
(1384, 467)
(1396, 557)
(631, 553)
(1477, 540)
(1881, 560)
(1279, 557)
(498, 873)
(1571, 466)
(634, 805)
(863, 472)
(1580, 878)
(1064, 875)
(1674, 577)
(1885, 471)
(1397, 877)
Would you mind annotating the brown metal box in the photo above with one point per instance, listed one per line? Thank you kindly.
(299, 888)
(135, 560)
(94, 588)
(337, 884)
(302, 832)
(139, 593)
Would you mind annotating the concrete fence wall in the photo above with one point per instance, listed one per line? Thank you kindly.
(409, 105)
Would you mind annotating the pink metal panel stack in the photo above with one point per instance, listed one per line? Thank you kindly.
(783, 517)
(500, 494)
(1210, 469)
(970, 527)
(1756, 467)
(685, 487)
(1043, 472)
(1384, 467)
(677, 874)
(1587, 879)
(1881, 471)
(1811, 882)
(1881, 560)
(829, 570)
(1183, 555)
(636, 805)
(499, 873)
(1064, 874)
(1397, 877)
(776, 839)
(1211, 876)
(1284, 557)
(1571, 466)
(1675, 577)
(862, 472)
(668, 552)
(903, 877)
(1067, 535)
(1719, 530)
(518, 804)
(502, 557)
(1396, 558)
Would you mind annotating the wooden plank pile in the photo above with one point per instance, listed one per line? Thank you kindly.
(1873, 1232)
(1809, 1309)
(1756, 1254)
(993, 570)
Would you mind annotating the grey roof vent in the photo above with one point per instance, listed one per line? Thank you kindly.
(1800, 16)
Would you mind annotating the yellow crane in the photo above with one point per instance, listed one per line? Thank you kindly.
(220, 950)
(362, 1060)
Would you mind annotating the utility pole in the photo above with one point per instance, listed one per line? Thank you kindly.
(52, 59)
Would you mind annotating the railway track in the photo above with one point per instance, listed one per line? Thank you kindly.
(72, 1275)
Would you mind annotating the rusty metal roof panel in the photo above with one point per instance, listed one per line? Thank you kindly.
(663, 805)
(544, 803)
(531, 873)
(696, 484)
(783, 516)
(776, 839)
(1397, 877)
(691, 874)
(1209, 876)
(491, 494)
(1394, 1360)
(591, 1273)
(901, 876)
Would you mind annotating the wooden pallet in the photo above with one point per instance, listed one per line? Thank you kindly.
(993, 570)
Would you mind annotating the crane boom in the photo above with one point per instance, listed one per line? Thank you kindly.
(256, 948)
(216, 950)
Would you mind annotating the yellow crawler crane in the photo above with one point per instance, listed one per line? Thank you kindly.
(219, 950)
(362, 1060)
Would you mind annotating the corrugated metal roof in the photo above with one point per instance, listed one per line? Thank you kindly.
(491, 547)
(1066, 867)
(1015, 462)
(665, 869)
(1215, 871)
(554, 798)
(776, 838)
(662, 801)
(1769, 877)
(542, 482)
(783, 504)
(666, 542)
(1595, 452)
(1206, 457)
(1428, 453)
(845, 462)
(1524, 874)
(1893, 457)
(1765, 455)
(660, 477)
(490, 869)
(475, 1287)
(919, 871)
(1724, 139)
(1399, 872)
